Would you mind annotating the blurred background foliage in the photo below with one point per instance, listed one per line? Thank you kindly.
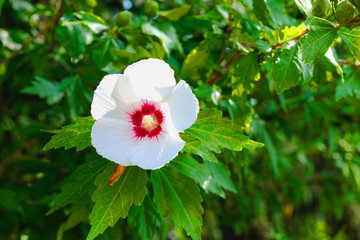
(304, 184)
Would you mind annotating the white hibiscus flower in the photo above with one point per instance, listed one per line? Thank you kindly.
(140, 113)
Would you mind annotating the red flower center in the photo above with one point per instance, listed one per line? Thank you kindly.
(147, 121)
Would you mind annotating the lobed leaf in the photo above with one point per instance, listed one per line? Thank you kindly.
(350, 86)
(352, 40)
(193, 145)
(178, 197)
(198, 59)
(211, 177)
(52, 91)
(145, 217)
(113, 202)
(246, 69)
(215, 132)
(317, 42)
(78, 184)
(76, 135)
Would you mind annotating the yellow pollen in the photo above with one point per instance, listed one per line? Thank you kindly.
(149, 122)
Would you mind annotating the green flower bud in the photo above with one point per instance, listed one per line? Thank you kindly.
(344, 12)
(321, 8)
(151, 8)
(123, 19)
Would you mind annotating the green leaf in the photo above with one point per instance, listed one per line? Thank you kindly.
(76, 135)
(178, 197)
(317, 42)
(305, 6)
(52, 91)
(145, 217)
(166, 33)
(71, 35)
(1, 5)
(246, 69)
(264, 136)
(221, 175)
(92, 21)
(350, 86)
(176, 13)
(263, 13)
(210, 177)
(216, 132)
(78, 97)
(78, 184)
(193, 145)
(198, 59)
(113, 202)
(9, 199)
(286, 69)
(79, 212)
(352, 40)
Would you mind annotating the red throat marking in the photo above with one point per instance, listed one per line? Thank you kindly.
(147, 121)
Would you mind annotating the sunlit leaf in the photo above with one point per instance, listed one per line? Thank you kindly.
(317, 42)
(263, 13)
(305, 6)
(193, 145)
(216, 132)
(286, 68)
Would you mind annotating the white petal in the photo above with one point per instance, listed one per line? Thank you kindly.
(153, 79)
(155, 153)
(183, 106)
(113, 97)
(112, 139)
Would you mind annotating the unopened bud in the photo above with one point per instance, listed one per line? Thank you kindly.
(123, 18)
(151, 8)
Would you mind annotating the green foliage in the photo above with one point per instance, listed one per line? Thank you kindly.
(246, 69)
(316, 43)
(176, 13)
(344, 12)
(146, 218)
(287, 68)
(52, 91)
(113, 202)
(73, 36)
(352, 40)
(195, 146)
(305, 6)
(78, 184)
(216, 132)
(351, 86)
(284, 73)
(212, 177)
(178, 197)
(74, 135)
(263, 13)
